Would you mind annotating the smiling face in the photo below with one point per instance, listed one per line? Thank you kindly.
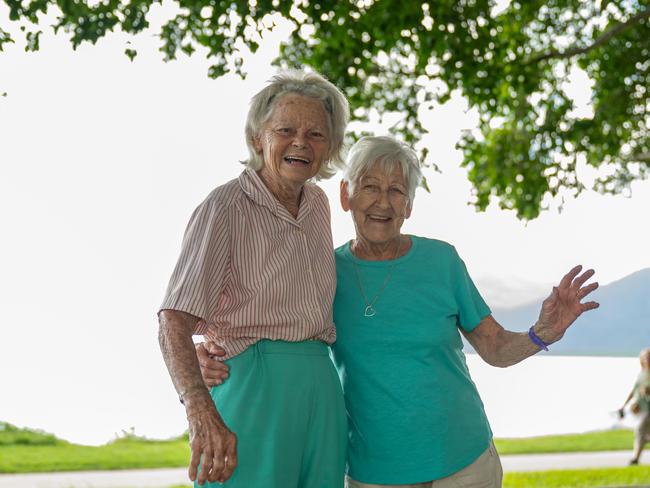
(379, 204)
(295, 140)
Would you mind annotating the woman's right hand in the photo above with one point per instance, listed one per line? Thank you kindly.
(214, 372)
(213, 445)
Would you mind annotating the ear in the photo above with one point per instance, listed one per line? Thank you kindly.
(345, 197)
(407, 214)
(257, 144)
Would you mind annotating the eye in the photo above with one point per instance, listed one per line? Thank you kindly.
(317, 134)
(370, 188)
(283, 130)
(397, 190)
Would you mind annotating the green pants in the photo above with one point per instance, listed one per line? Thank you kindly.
(284, 402)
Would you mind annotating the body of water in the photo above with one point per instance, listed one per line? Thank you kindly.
(542, 395)
(554, 394)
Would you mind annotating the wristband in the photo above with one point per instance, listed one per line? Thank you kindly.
(536, 340)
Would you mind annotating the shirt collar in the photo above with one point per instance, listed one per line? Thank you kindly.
(256, 190)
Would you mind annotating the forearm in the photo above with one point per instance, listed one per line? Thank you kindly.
(627, 400)
(500, 347)
(509, 348)
(175, 338)
(211, 443)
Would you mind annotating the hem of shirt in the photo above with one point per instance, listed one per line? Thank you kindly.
(409, 477)
(481, 315)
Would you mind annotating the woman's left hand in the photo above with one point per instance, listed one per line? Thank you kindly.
(214, 372)
(564, 305)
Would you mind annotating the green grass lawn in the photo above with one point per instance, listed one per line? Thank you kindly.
(582, 478)
(610, 440)
(26, 450)
(30, 451)
(72, 457)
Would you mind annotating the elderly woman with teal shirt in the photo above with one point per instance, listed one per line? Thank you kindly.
(415, 417)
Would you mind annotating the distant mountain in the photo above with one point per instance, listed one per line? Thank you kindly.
(620, 327)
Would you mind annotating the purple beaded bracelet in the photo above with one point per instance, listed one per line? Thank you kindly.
(536, 340)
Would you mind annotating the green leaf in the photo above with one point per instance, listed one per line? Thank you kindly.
(5, 38)
(33, 43)
(131, 53)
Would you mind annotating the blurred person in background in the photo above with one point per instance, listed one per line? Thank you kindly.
(640, 406)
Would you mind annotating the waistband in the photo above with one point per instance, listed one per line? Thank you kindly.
(303, 348)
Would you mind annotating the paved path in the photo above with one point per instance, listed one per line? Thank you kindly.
(574, 460)
(127, 478)
(164, 478)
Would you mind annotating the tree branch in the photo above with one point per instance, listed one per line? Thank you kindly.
(641, 158)
(604, 38)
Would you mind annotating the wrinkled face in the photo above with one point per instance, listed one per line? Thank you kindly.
(379, 205)
(295, 141)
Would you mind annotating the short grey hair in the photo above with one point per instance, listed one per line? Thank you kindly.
(387, 152)
(310, 85)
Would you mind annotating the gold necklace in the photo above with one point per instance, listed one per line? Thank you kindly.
(370, 305)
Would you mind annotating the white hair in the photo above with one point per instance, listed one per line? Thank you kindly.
(386, 152)
(310, 85)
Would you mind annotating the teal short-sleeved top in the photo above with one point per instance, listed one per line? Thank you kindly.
(414, 413)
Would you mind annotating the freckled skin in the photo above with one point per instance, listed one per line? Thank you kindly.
(298, 126)
(210, 438)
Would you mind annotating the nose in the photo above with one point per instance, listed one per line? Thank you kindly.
(299, 139)
(382, 199)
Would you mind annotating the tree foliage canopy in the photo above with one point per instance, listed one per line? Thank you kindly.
(512, 62)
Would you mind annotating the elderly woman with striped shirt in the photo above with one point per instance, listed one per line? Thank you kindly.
(256, 275)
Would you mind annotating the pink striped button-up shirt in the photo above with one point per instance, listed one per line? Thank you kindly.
(250, 270)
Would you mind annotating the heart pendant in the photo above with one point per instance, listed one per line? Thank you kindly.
(369, 312)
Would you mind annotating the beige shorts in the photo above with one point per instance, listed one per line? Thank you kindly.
(485, 472)
(642, 431)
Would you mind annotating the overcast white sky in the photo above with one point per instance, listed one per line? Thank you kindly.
(101, 163)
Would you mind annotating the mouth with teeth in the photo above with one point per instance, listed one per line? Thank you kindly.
(297, 160)
(381, 219)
